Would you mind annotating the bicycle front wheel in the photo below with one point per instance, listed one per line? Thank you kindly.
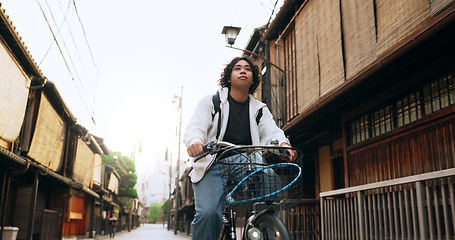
(267, 226)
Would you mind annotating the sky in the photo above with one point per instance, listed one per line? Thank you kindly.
(120, 66)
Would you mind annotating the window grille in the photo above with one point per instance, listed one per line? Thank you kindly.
(432, 96)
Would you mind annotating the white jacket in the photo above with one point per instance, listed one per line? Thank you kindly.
(202, 129)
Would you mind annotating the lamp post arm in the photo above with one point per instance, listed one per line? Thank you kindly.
(257, 55)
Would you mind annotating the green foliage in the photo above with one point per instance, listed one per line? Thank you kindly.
(155, 213)
(165, 206)
(125, 167)
(127, 192)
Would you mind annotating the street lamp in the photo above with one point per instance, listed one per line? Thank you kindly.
(231, 34)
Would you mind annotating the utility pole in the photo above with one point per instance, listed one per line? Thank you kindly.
(177, 195)
(169, 158)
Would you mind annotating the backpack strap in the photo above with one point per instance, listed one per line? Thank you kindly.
(258, 116)
(216, 109)
(216, 104)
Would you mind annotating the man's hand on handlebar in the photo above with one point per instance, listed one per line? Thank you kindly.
(195, 149)
(292, 153)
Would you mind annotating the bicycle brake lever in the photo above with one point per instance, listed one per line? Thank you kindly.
(208, 148)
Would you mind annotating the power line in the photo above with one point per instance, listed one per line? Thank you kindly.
(64, 59)
(263, 6)
(52, 43)
(85, 35)
(55, 40)
(273, 11)
(66, 48)
(76, 46)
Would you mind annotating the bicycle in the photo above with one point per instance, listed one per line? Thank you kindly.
(259, 179)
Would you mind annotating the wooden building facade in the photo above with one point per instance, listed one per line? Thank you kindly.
(369, 97)
(53, 183)
(366, 90)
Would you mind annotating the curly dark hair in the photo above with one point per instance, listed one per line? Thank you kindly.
(226, 74)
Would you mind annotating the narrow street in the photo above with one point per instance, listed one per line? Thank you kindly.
(148, 231)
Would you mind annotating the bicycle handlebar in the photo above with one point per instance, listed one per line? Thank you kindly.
(213, 147)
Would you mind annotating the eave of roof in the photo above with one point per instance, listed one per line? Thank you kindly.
(282, 19)
(255, 38)
(56, 99)
(14, 42)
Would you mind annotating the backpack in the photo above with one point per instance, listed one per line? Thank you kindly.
(216, 109)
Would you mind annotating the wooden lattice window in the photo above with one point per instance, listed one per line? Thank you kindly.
(438, 94)
(290, 74)
(428, 98)
(359, 128)
(382, 121)
(408, 109)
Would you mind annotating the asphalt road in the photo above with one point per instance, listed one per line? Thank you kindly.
(149, 231)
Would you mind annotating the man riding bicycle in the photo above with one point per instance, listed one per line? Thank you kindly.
(239, 124)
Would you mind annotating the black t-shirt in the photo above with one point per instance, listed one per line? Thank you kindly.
(238, 127)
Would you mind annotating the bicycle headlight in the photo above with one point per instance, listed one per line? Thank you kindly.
(254, 233)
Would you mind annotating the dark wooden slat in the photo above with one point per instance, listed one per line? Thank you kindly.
(332, 220)
(350, 217)
(345, 218)
(357, 216)
(452, 203)
(423, 217)
(408, 214)
(361, 213)
(415, 218)
(381, 220)
(385, 217)
(374, 210)
(437, 213)
(390, 215)
(401, 205)
(432, 230)
(416, 151)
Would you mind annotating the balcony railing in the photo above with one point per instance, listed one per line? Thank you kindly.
(303, 221)
(416, 207)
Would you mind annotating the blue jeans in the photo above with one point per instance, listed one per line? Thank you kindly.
(210, 200)
(112, 229)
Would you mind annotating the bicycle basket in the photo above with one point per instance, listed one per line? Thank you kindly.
(259, 174)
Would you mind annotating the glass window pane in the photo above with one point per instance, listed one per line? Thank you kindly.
(406, 110)
(427, 99)
(435, 96)
(362, 129)
(444, 92)
(376, 124)
(413, 107)
(388, 119)
(451, 90)
(399, 113)
(419, 109)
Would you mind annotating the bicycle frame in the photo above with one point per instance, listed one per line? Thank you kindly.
(257, 182)
(229, 230)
